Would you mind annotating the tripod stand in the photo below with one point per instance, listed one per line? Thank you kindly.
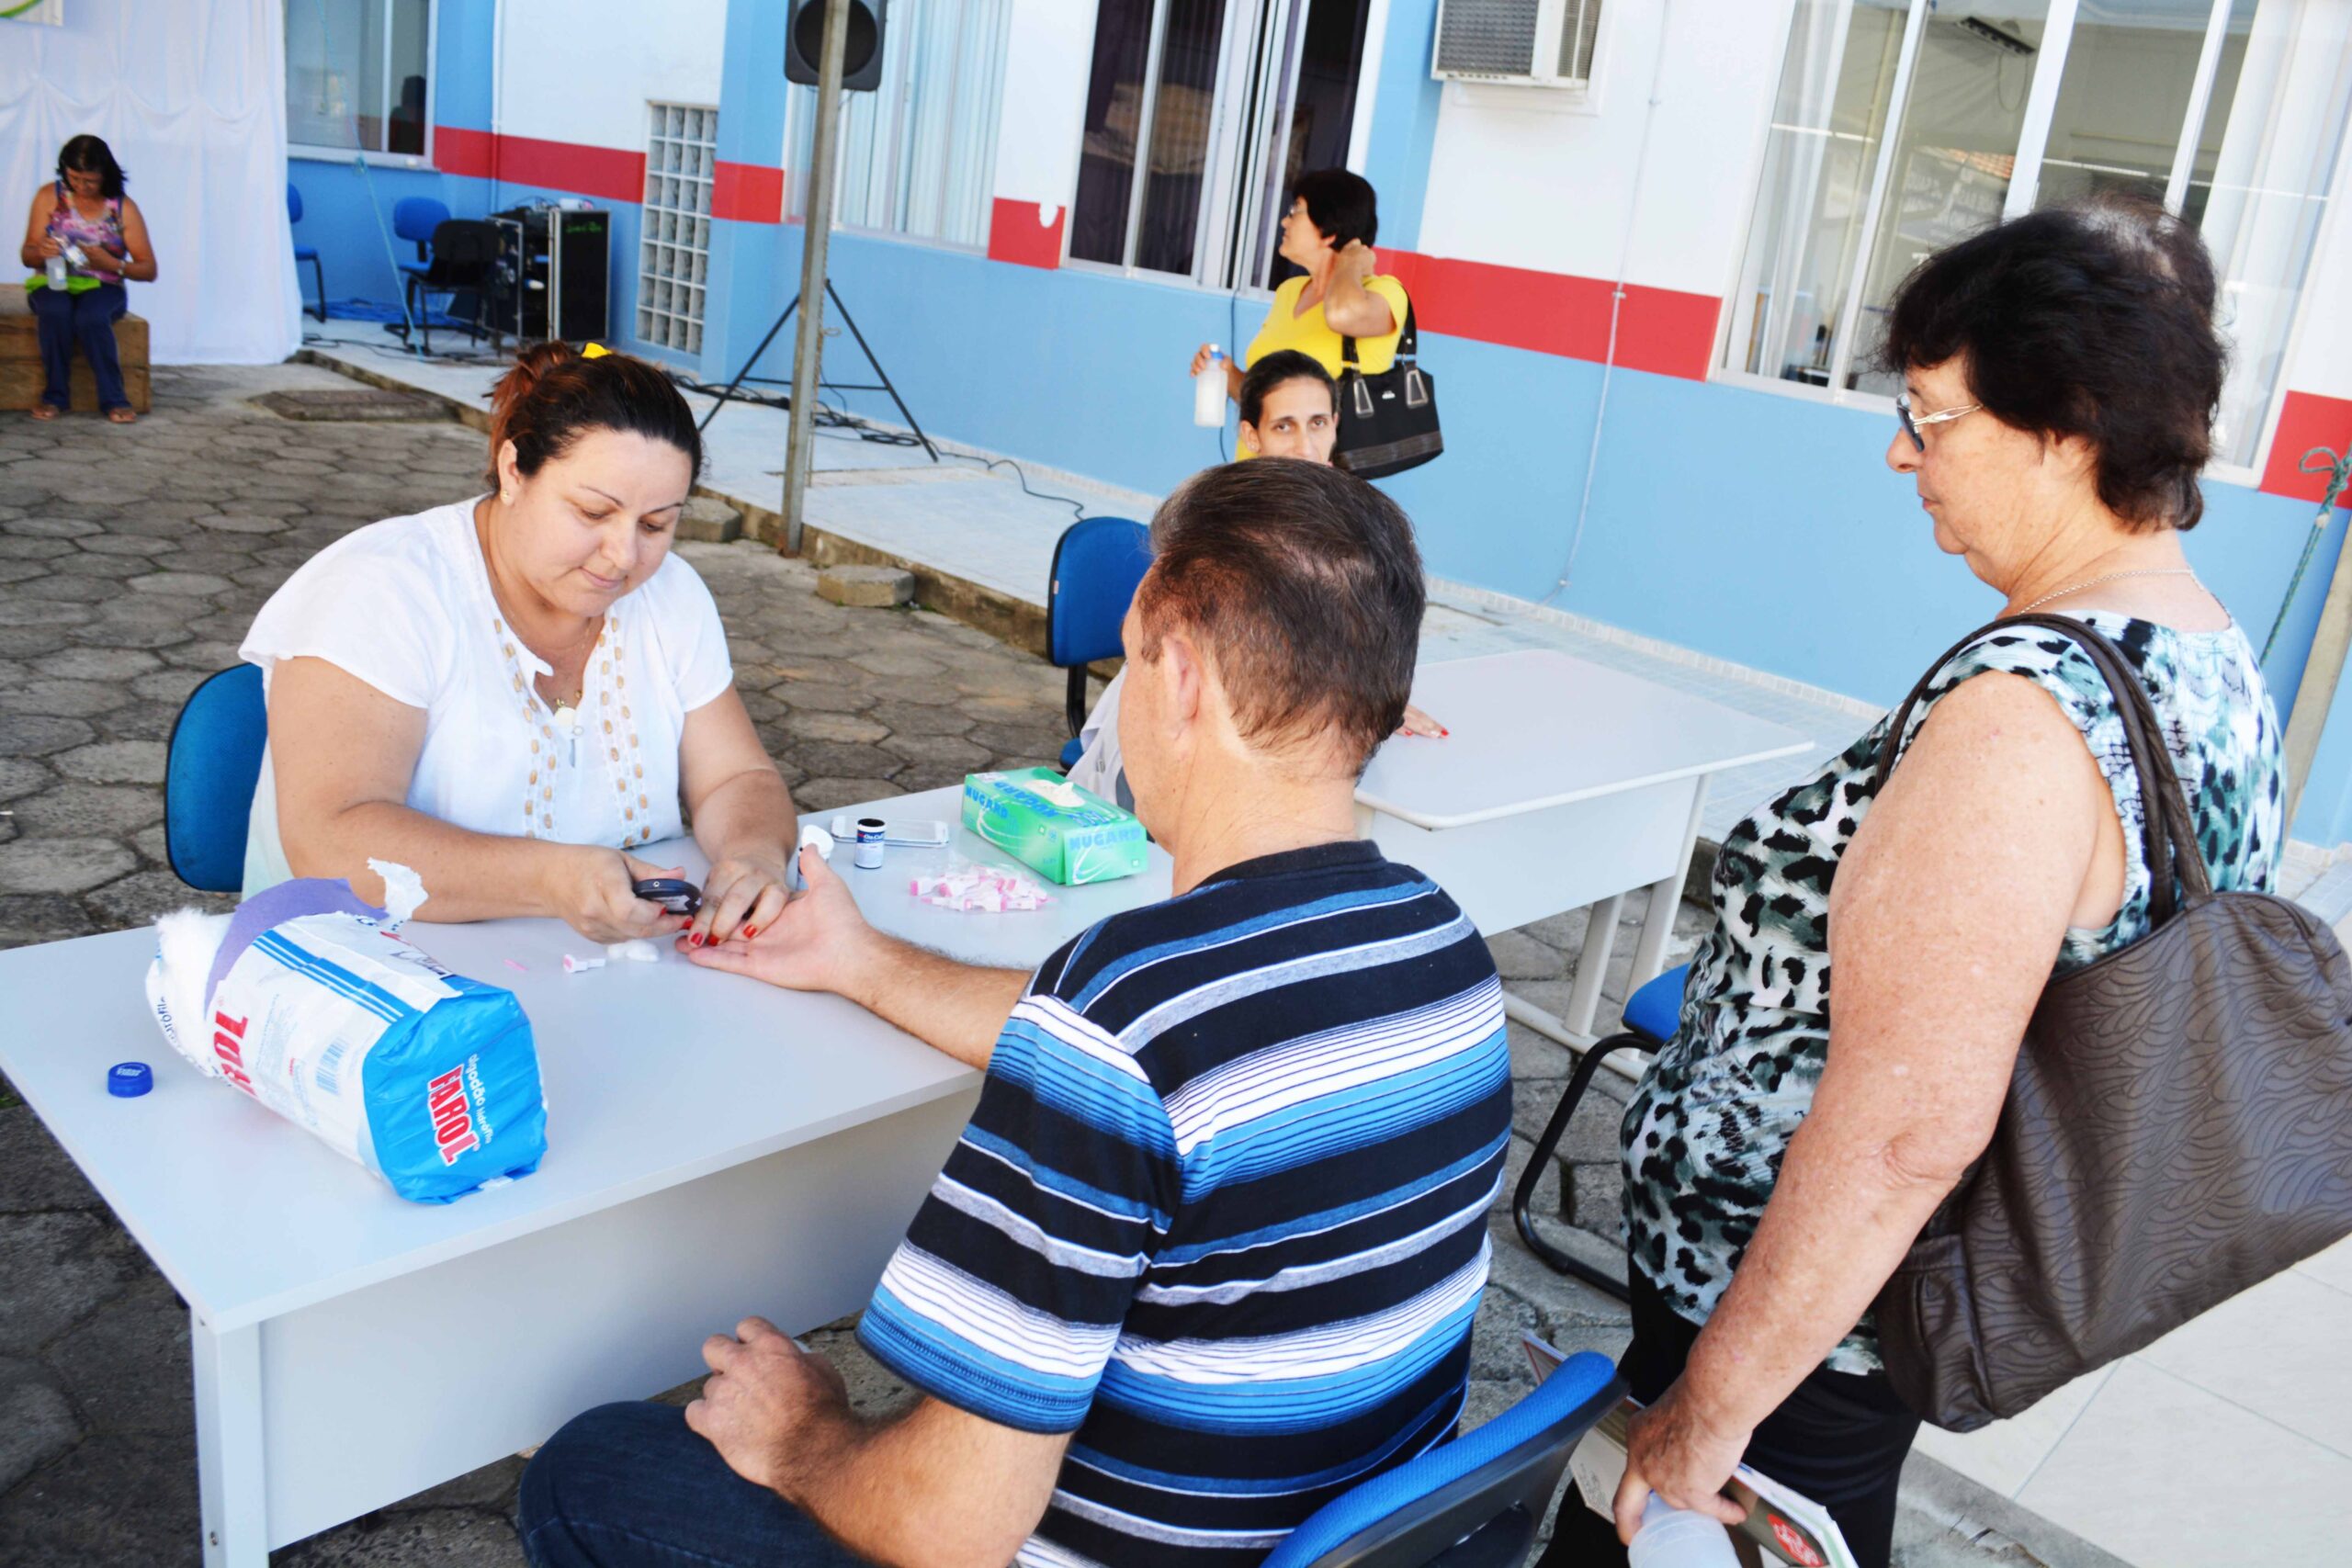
(745, 373)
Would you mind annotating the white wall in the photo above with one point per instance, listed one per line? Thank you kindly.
(1549, 188)
(582, 71)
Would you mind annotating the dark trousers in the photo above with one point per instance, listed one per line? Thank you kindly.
(87, 320)
(632, 1485)
(1840, 1438)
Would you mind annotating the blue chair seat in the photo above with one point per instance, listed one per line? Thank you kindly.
(209, 771)
(1478, 1499)
(1657, 1009)
(1072, 750)
(417, 268)
(306, 253)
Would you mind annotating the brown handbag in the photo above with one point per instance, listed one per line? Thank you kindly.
(2179, 1127)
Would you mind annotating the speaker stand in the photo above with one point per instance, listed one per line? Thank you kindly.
(744, 373)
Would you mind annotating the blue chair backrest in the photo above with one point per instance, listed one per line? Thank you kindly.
(293, 204)
(209, 778)
(1096, 567)
(1499, 1479)
(416, 218)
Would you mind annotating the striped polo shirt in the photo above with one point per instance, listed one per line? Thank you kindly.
(1221, 1212)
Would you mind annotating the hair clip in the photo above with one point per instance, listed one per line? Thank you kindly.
(594, 351)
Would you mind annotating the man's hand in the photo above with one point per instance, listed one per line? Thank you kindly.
(818, 941)
(1672, 1450)
(760, 1400)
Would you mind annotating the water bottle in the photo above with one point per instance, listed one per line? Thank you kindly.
(1208, 392)
(1678, 1537)
(57, 272)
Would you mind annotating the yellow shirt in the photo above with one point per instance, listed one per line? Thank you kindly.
(1313, 337)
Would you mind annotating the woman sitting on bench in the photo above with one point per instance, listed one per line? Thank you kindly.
(85, 212)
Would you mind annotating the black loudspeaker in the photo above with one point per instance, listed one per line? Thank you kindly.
(803, 44)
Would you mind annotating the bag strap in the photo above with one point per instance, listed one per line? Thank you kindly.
(2167, 829)
(1408, 344)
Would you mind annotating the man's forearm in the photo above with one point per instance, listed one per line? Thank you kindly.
(955, 1008)
(917, 1490)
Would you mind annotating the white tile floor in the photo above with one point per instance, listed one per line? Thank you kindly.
(2229, 1441)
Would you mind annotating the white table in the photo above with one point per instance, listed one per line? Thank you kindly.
(1563, 784)
(716, 1148)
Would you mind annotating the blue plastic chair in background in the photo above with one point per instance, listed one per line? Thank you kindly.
(210, 773)
(1473, 1502)
(1097, 563)
(414, 217)
(306, 253)
(1651, 1019)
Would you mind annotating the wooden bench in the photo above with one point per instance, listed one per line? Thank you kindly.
(20, 376)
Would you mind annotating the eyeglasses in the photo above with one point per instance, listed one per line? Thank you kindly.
(1911, 422)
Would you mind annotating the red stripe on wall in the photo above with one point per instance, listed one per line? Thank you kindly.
(1661, 329)
(605, 172)
(1027, 233)
(747, 193)
(2306, 419)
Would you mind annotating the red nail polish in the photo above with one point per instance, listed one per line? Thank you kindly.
(750, 931)
(694, 939)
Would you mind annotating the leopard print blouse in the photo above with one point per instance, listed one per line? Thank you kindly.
(1704, 1135)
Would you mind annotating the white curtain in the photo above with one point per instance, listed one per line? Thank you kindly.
(192, 98)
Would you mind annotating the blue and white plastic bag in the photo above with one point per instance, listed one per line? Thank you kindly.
(307, 1001)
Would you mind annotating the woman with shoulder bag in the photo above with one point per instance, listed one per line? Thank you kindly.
(2061, 376)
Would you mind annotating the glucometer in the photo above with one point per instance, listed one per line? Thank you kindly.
(674, 895)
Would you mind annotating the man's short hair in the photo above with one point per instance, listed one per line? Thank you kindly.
(1305, 585)
(1273, 370)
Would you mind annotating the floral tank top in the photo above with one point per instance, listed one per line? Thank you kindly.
(1708, 1125)
(99, 236)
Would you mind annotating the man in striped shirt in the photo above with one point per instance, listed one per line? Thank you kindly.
(1209, 1252)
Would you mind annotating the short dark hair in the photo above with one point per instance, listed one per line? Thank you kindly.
(552, 396)
(87, 154)
(2095, 320)
(1273, 370)
(1342, 205)
(1305, 584)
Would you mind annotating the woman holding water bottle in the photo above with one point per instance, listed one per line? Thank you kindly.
(88, 238)
(1329, 232)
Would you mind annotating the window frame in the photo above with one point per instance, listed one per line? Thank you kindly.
(2024, 188)
(311, 151)
(658, 109)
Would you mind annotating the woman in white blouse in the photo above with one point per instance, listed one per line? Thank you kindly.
(513, 692)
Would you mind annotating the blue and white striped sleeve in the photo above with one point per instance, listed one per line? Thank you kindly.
(1009, 1290)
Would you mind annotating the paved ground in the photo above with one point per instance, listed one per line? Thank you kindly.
(131, 563)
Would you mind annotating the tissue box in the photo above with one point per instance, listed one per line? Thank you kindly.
(1054, 827)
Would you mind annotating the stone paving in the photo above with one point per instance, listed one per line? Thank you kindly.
(131, 562)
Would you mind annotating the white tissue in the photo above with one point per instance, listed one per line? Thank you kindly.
(636, 950)
(1059, 792)
(810, 834)
(404, 891)
(187, 942)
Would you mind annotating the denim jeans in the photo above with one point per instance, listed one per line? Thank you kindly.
(626, 1485)
(87, 320)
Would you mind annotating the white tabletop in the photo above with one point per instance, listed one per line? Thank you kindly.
(654, 1074)
(1536, 728)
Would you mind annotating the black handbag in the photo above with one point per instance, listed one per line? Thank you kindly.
(1388, 422)
(2177, 1128)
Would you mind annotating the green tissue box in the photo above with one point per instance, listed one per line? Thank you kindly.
(1054, 827)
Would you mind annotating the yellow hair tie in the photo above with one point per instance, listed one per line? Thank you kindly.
(594, 351)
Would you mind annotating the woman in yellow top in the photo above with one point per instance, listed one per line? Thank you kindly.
(1333, 222)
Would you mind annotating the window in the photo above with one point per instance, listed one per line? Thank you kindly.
(674, 241)
(358, 77)
(918, 156)
(1900, 126)
(1214, 183)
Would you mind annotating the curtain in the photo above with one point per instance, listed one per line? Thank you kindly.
(192, 99)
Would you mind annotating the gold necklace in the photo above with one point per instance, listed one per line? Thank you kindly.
(2110, 577)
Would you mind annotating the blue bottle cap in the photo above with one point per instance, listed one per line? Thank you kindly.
(128, 1080)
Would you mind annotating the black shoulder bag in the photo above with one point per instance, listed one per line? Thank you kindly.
(1388, 422)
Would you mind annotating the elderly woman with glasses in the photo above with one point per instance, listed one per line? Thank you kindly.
(2061, 376)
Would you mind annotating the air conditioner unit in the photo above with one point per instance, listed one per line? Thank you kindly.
(1528, 43)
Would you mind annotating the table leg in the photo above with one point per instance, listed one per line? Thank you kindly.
(1593, 965)
(229, 1446)
(1666, 897)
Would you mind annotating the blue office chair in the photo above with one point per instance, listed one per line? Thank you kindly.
(1097, 563)
(414, 217)
(210, 773)
(306, 253)
(1474, 1503)
(1651, 1017)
